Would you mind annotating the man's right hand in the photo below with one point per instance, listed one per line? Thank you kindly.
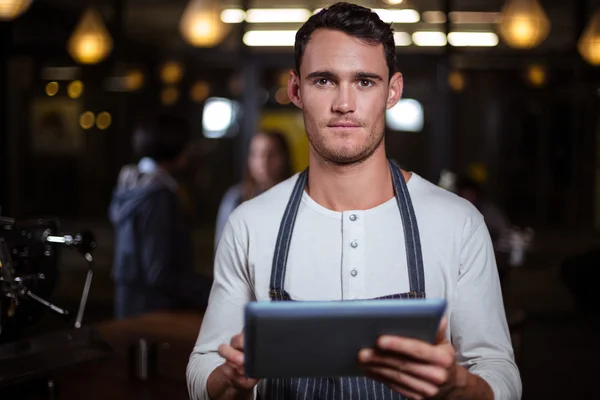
(229, 380)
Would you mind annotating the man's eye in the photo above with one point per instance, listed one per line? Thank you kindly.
(322, 81)
(366, 83)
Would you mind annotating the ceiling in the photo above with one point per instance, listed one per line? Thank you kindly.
(155, 22)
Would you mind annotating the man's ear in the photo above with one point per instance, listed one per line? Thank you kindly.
(395, 90)
(294, 89)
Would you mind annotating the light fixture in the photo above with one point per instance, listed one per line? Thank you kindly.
(402, 16)
(523, 24)
(456, 81)
(199, 91)
(90, 42)
(87, 119)
(473, 39)
(201, 24)
(103, 120)
(233, 16)
(52, 88)
(402, 39)
(434, 17)
(218, 116)
(536, 75)
(275, 15)
(265, 15)
(406, 115)
(429, 38)
(393, 2)
(269, 38)
(171, 72)
(11, 9)
(75, 89)
(589, 42)
(169, 95)
(134, 80)
(472, 17)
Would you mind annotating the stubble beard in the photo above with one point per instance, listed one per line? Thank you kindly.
(345, 156)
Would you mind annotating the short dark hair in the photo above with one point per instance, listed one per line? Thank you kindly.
(163, 137)
(357, 21)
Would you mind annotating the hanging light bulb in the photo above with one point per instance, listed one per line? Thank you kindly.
(457, 81)
(393, 2)
(589, 42)
(523, 24)
(536, 75)
(11, 9)
(201, 24)
(90, 42)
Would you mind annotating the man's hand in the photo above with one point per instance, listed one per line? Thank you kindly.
(412, 367)
(229, 381)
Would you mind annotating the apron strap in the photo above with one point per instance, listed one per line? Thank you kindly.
(412, 241)
(284, 237)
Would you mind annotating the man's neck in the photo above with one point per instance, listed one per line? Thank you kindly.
(351, 187)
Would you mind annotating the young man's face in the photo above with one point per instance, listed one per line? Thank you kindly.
(343, 90)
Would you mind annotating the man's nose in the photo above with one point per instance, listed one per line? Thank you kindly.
(345, 101)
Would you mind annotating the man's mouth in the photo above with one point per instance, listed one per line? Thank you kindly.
(344, 124)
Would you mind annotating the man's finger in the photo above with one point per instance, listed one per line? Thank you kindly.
(441, 333)
(418, 350)
(232, 355)
(237, 342)
(431, 373)
(405, 381)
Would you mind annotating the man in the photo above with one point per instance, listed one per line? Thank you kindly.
(153, 262)
(351, 213)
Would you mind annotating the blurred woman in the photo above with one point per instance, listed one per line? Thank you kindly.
(269, 163)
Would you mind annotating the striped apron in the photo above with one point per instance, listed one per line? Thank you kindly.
(350, 387)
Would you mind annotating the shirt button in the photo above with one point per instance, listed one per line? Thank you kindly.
(354, 244)
(354, 272)
(353, 217)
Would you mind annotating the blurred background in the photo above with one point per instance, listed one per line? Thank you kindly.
(501, 105)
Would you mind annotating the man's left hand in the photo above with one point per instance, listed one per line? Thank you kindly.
(412, 367)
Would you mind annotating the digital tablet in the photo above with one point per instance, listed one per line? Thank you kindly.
(287, 339)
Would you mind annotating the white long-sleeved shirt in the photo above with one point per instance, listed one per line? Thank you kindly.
(458, 260)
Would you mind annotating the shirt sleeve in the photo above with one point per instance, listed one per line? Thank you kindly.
(224, 317)
(228, 203)
(478, 320)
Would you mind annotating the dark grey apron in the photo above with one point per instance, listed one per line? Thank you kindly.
(352, 387)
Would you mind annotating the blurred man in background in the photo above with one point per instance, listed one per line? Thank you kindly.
(153, 261)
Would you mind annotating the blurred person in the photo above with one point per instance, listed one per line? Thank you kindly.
(269, 162)
(153, 262)
(350, 212)
(496, 221)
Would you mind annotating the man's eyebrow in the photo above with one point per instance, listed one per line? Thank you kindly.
(357, 75)
(368, 75)
(321, 74)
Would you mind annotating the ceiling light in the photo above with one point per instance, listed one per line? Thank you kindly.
(201, 24)
(429, 38)
(403, 16)
(402, 39)
(523, 24)
(473, 39)
(266, 15)
(434, 17)
(233, 16)
(269, 38)
(471, 17)
(11, 9)
(90, 42)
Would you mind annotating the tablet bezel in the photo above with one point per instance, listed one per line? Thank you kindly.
(373, 317)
